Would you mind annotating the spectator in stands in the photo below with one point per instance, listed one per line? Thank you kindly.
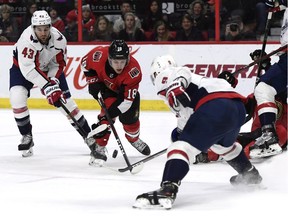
(234, 31)
(71, 29)
(2, 38)
(73, 14)
(188, 31)
(261, 17)
(131, 32)
(56, 21)
(8, 24)
(26, 21)
(125, 7)
(88, 21)
(198, 14)
(161, 32)
(103, 29)
(210, 14)
(152, 16)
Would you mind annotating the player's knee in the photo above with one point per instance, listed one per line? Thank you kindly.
(227, 153)
(183, 151)
(18, 96)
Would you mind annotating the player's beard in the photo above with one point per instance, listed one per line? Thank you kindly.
(44, 39)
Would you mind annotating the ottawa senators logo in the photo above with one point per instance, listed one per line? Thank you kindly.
(134, 72)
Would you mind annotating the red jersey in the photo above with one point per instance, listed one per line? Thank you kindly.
(128, 81)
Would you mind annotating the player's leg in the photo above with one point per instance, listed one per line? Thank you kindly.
(131, 126)
(19, 93)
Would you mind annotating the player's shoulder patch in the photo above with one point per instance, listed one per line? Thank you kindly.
(97, 56)
(134, 72)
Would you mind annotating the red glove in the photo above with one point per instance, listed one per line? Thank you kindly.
(176, 92)
(53, 92)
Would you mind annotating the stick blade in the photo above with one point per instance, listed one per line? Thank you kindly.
(137, 168)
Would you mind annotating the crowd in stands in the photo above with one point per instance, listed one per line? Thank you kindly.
(240, 20)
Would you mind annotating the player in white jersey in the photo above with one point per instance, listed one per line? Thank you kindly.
(39, 58)
(210, 114)
(272, 83)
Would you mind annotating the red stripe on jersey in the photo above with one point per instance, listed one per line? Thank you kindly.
(212, 96)
(20, 110)
(15, 62)
(61, 62)
(266, 105)
(176, 151)
(163, 93)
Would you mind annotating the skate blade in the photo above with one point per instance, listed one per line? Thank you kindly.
(27, 153)
(143, 203)
(263, 153)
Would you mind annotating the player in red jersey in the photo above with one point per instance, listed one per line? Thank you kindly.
(113, 72)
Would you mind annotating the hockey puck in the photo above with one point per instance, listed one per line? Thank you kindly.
(115, 153)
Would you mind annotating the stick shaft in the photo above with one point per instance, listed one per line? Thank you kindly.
(102, 104)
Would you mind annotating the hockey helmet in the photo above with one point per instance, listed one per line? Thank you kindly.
(159, 64)
(40, 17)
(118, 49)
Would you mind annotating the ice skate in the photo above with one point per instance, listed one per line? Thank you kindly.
(141, 146)
(98, 155)
(26, 145)
(267, 144)
(160, 199)
(250, 177)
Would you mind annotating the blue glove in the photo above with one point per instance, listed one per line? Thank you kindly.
(175, 134)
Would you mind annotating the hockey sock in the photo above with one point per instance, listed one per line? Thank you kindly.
(24, 125)
(240, 163)
(175, 170)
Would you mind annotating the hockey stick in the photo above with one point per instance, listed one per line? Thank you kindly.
(141, 162)
(111, 123)
(269, 17)
(261, 59)
(81, 130)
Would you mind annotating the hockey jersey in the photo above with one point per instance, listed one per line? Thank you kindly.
(200, 90)
(38, 62)
(128, 81)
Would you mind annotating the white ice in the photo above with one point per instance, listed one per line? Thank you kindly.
(57, 180)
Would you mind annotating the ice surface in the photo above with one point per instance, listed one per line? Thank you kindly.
(58, 181)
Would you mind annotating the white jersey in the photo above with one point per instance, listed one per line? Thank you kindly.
(284, 29)
(200, 89)
(38, 62)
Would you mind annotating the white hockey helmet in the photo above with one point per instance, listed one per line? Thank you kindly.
(159, 64)
(40, 17)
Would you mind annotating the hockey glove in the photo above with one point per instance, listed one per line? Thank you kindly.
(176, 92)
(53, 92)
(265, 64)
(233, 81)
(95, 88)
(270, 3)
(175, 134)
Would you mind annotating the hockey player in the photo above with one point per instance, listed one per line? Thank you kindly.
(209, 113)
(39, 58)
(113, 72)
(247, 139)
(272, 83)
